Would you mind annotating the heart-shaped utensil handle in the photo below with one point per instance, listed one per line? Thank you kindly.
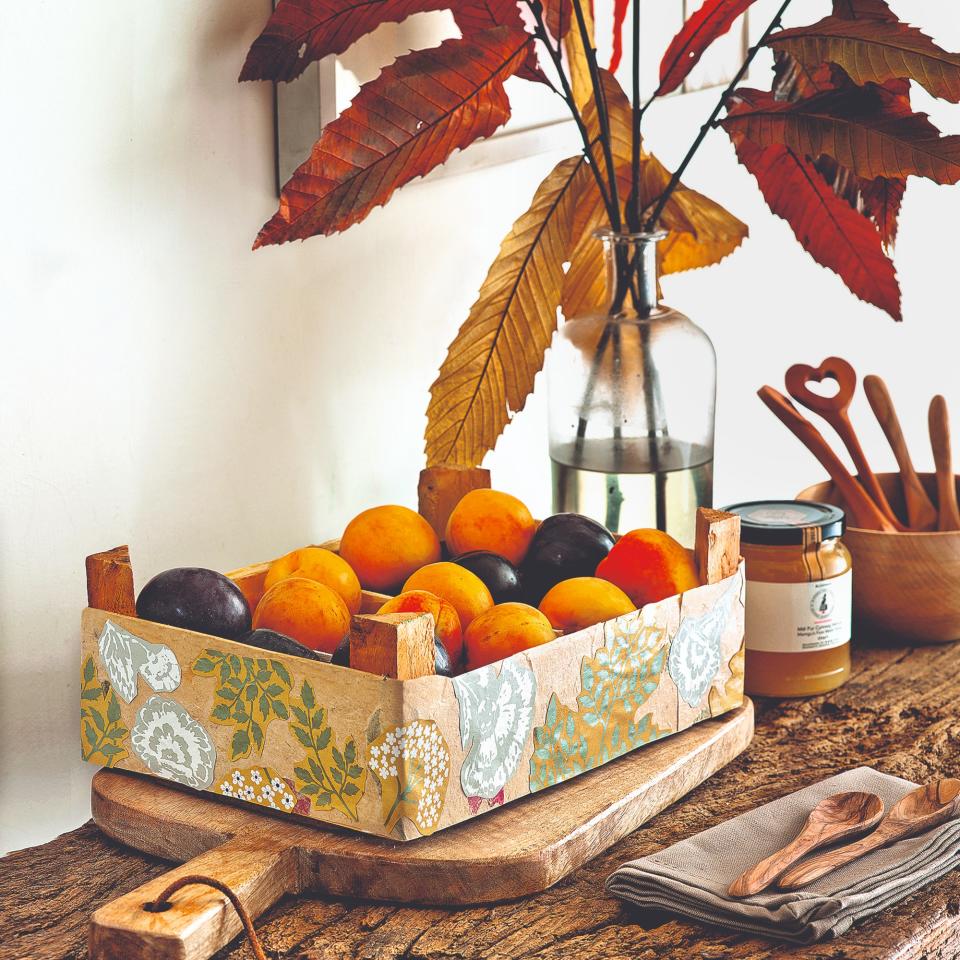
(834, 411)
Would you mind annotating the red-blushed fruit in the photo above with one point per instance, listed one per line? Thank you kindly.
(491, 520)
(444, 617)
(581, 602)
(649, 565)
(457, 585)
(305, 610)
(504, 630)
(384, 545)
(322, 565)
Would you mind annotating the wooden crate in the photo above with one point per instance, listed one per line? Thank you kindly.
(402, 758)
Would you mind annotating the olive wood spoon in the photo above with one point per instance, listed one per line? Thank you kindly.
(863, 512)
(949, 517)
(835, 410)
(834, 818)
(920, 810)
(921, 513)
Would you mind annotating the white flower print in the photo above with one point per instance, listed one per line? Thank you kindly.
(125, 656)
(173, 744)
(256, 776)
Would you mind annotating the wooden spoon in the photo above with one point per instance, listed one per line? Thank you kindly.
(921, 513)
(862, 511)
(920, 810)
(949, 518)
(835, 818)
(835, 410)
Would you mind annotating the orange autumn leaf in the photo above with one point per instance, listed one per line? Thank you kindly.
(828, 228)
(870, 130)
(401, 125)
(874, 51)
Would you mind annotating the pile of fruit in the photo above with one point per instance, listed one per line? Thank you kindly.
(509, 583)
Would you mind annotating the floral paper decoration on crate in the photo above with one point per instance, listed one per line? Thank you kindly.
(403, 758)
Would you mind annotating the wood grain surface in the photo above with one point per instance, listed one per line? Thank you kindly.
(509, 853)
(900, 712)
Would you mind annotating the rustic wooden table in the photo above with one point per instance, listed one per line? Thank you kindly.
(900, 713)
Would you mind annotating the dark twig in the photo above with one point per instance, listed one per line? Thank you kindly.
(536, 8)
(711, 120)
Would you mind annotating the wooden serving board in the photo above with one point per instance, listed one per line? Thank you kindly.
(519, 850)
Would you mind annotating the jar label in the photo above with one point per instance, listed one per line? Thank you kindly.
(799, 617)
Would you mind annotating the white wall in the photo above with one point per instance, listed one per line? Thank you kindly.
(164, 386)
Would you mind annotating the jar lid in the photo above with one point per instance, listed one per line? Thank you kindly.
(782, 522)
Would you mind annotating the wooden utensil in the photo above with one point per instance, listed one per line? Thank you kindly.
(920, 810)
(512, 852)
(835, 410)
(921, 513)
(862, 511)
(833, 819)
(949, 515)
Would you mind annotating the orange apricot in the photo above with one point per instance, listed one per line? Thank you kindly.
(504, 630)
(444, 616)
(324, 566)
(583, 601)
(384, 545)
(305, 610)
(490, 520)
(469, 595)
(649, 565)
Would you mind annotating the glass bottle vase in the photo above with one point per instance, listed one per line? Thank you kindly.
(632, 394)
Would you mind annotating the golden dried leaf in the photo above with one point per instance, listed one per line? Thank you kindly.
(579, 70)
(699, 231)
(490, 367)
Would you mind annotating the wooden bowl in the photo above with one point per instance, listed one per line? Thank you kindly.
(905, 585)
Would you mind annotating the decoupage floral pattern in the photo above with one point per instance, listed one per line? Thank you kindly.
(333, 778)
(412, 763)
(265, 788)
(173, 744)
(101, 731)
(250, 693)
(496, 715)
(125, 656)
(731, 696)
(695, 650)
(615, 683)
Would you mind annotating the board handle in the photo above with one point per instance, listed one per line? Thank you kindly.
(200, 920)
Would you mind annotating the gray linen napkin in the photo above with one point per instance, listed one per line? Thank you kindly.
(691, 877)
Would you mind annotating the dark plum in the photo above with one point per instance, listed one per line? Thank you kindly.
(196, 599)
(441, 664)
(565, 545)
(278, 643)
(498, 573)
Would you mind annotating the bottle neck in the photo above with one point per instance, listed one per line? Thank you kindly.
(632, 273)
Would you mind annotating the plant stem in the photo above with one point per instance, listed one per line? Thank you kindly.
(635, 203)
(536, 9)
(600, 99)
(705, 129)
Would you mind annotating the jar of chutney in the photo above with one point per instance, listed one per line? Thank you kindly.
(799, 597)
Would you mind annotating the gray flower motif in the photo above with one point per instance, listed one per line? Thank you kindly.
(496, 716)
(695, 650)
(172, 744)
(125, 655)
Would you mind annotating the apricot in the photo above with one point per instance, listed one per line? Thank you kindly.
(324, 566)
(305, 610)
(468, 594)
(491, 520)
(583, 601)
(384, 545)
(648, 565)
(504, 630)
(444, 616)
